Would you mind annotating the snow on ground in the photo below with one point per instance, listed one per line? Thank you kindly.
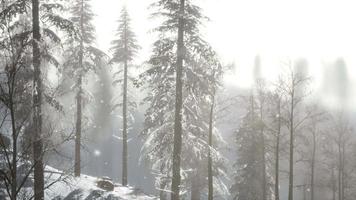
(64, 185)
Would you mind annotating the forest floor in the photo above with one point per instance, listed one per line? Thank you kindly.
(85, 187)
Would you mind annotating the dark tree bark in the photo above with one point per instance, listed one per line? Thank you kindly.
(13, 170)
(276, 186)
(177, 147)
(78, 128)
(210, 162)
(37, 102)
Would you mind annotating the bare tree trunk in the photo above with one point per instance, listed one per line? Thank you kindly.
(78, 128)
(210, 162)
(276, 186)
(177, 147)
(13, 169)
(291, 148)
(37, 102)
(78, 133)
(124, 131)
(313, 167)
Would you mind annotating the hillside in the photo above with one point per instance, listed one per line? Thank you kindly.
(86, 188)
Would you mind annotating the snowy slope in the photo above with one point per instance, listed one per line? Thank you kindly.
(84, 188)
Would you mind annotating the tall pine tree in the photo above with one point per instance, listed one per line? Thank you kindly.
(125, 48)
(186, 138)
(248, 174)
(81, 57)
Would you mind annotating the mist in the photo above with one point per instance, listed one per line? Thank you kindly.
(181, 99)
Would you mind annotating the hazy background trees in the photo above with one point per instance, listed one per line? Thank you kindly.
(171, 124)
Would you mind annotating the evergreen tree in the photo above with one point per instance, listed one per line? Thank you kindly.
(162, 131)
(125, 48)
(81, 57)
(177, 137)
(247, 173)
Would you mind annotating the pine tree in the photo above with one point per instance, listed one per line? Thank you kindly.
(81, 57)
(177, 140)
(125, 48)
(252, 172)
(200, 61)
(247, 174)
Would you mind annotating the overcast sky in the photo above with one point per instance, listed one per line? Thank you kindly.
(319, 30)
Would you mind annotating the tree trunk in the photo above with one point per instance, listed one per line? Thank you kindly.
(276, 186)
(333, 184)
(124, 115)
(124, 130)
(177, 147)
(263, 158)
(291, 149)
(78, 132)
(162, 193)
(163, 183)
(313, 167)
(14, 148)
(162, 186)
(210, 162)
(195, 188)
(343, 182)
(340, 170)
(37, 102)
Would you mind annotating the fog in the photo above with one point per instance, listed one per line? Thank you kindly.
(151, 100)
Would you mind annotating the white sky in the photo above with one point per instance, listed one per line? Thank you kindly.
(319, 30)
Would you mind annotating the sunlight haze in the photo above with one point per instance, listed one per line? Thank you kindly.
(319, 30)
